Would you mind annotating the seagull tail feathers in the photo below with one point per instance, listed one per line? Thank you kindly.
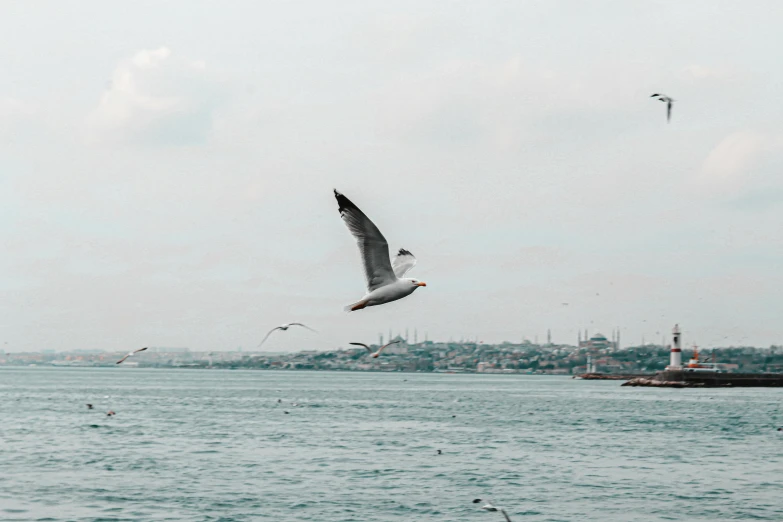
(355, 306)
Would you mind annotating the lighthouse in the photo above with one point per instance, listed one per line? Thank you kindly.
(675, 362)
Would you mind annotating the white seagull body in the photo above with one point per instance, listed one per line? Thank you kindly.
(668, 100)
(283, 327)
(130, 354)
(490, 507)
(375, 354)
(385, 281)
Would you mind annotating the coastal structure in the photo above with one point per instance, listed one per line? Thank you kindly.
(701, 373)
(675, 361)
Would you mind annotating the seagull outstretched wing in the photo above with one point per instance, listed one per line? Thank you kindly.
(403, 262)
(362, 344)
(372, 245)
(268, 334)
(303, 326)
(385, 345)
(130, 354)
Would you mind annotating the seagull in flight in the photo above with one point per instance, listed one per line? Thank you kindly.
(384, 278)
(375, 355)
(490, 507)
(130, 354)
(283, 327)
(668, 100)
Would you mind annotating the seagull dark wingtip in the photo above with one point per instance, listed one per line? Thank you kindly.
(477, 501)
(404, 252)
(343, 203)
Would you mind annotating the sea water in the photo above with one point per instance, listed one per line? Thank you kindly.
(195, 445)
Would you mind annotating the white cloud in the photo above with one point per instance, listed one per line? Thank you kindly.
(705, 72)
(15, 114)
(739, 160)
(155, 98)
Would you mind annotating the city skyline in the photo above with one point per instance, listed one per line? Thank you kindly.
(612, 341)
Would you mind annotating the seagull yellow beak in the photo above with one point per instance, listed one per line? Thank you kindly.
(421, 283)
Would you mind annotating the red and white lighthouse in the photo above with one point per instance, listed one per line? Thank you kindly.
(675, 362)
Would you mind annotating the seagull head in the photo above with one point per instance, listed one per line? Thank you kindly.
(416, 282)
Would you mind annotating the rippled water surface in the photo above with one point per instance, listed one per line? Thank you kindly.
(217, 445)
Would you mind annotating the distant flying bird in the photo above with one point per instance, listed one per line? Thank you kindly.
(490, 507)
(374, 355)
(89, 406)
(664, 98)
(130, 354)
(384, 278)
(283, 327)
(110, 413)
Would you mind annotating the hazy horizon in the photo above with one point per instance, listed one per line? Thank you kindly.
(166, 170)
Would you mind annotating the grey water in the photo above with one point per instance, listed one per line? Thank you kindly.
(215, 445)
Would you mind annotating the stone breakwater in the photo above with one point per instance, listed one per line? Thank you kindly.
(689, 379)
(644, 381)
(613, 376)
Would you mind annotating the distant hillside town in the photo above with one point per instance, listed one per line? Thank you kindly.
(594, 354)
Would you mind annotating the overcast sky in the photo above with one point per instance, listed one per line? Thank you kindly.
(166, 170)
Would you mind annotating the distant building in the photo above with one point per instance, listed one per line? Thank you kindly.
(400, 348)
(597, 342)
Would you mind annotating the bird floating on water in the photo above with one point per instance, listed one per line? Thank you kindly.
(377, 353)
(385, 281)
(491, 507)
(130, 354)
(283, 327)
(89, 406)
(668, 100)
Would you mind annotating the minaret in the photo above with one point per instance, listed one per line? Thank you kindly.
(380, 339)
(675, 362)
(426, 336)
(390, 335)
(618, 339)
(549, 336)
(416, 336)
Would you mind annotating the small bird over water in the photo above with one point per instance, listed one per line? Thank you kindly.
(669, 101)
(283, 327)
(491, 507)
(375, 354)
(89, 406)
(130, 354)
(384, 278)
